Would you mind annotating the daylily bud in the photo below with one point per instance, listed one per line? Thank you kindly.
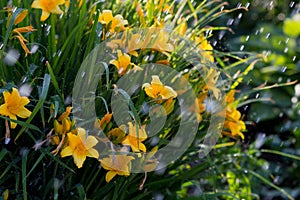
(58, 128)
(55, 140)
(66, 123)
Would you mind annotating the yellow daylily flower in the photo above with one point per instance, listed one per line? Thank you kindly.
(205, 47)
(233, 125)
(80, 146)
(211, 80)
(157, 90)
(200, 105)
(123, 62)
(48, 6)
(113, 24)
(117, 165)
(14, 106)
(134, 139)
(105, 17)
(128, 42)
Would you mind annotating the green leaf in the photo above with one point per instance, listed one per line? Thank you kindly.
(291, 26)
(40, 103)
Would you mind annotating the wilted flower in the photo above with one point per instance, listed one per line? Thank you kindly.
(14, 106)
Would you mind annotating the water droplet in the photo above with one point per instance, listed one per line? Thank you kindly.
(285, 49)
(257, 120)
(247, 38)
(292, 4)
(247, 5)
(239, 5)
(281, 16)
(257, 95)
(260, 140)
(222, 8)
(281, 114)
(283, 69)
(214, 43)
(240, 16)
(58, 53)
(261, 29)
(294, 57)
(34, 49)
(268, 35)
(279, 79)
(287, 40)
(294, 99)
(25, 90)
(242, 47)
(221, 35)
(48, 28)
(271, 5)
(11, 57)
(158, 197)
(1, 45)
(230, 22)
(297, 90)
(7, 140)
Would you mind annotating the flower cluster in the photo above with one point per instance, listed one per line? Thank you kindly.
(130, 142)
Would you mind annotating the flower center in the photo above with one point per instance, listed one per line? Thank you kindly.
(80, 148)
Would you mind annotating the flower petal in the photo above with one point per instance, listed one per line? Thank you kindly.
(155, 80)
(23, 112)
(82, 134)
(4, 111)
(110, 175)
(79, 159)
(57, 10)
(168, 92)
(90, 142)
(68, 151)
(59, 2)
(93, 153)
(45, 15)
(36, 4)
(13, 124)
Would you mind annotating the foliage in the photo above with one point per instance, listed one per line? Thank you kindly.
(43, 46)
